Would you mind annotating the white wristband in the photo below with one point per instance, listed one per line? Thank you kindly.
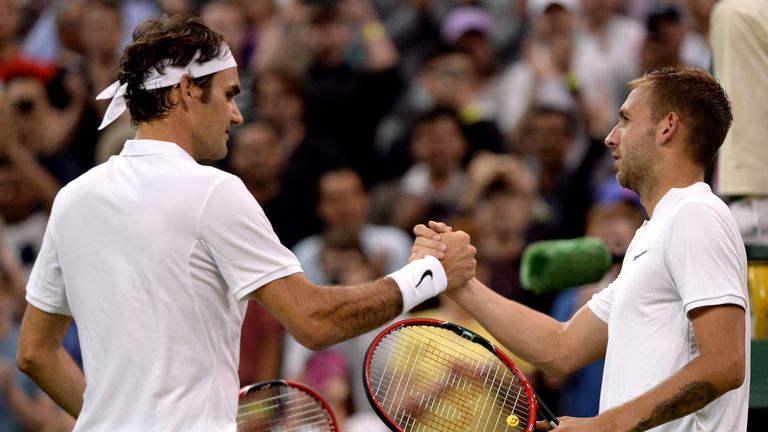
(420, 280)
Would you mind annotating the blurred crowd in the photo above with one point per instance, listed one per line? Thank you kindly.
(363, 118)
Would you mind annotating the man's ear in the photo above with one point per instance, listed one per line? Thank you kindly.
(667, 128)
(187, 91)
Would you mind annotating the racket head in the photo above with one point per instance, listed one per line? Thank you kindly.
(283, 405)
(427, 374)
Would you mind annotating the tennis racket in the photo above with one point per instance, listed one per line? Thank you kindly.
(430, 375)
(281, 405)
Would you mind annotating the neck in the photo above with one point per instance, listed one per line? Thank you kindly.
(685, 174)
(167, 129)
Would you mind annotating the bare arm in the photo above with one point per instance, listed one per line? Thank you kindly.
(555, 347)
(381, 53)
(720, 368)
(41, 356)
(320, 316)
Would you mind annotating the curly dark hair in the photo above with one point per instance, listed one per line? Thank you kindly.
(157, 43)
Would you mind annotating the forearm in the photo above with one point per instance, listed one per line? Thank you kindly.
(353, 310)
(531, 335)
(320, 316)
(692, 388)
(58, 375)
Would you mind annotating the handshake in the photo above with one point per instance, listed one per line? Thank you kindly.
(453, 249)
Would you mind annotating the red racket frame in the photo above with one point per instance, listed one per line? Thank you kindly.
(261, 385)
(466, 334)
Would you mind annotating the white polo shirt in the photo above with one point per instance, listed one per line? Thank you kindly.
(150, 253)
(688, 255)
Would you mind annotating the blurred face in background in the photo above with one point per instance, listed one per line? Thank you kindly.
(446, 77)
(100, 30)
(440, 144)
(276, 102)
(343, 201)
(30, 108)
(615, 224)
(550, 138)
(329, 36)
(256, 153)
(229, 19)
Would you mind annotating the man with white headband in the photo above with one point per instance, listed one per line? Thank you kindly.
(154, 256)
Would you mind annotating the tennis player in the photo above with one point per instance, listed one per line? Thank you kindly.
(154, 256)
(672, 327)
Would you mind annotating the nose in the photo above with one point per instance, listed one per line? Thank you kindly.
(612, 140)
(237, 117)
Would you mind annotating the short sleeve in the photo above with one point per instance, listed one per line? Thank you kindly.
(705, 257)
(600, 303)
(235, 230)
(45, 287)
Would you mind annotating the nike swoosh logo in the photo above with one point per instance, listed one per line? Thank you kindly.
(640, 254)
(426, 273)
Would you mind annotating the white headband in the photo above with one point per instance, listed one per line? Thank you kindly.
(156, 80)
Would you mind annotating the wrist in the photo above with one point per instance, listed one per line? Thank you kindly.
(420, 280)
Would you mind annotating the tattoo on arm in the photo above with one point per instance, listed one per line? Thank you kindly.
(691, 397)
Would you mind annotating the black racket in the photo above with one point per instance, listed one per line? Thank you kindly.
(281, 405)
(430, 375)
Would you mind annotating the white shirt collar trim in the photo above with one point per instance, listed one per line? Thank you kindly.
(142, 147)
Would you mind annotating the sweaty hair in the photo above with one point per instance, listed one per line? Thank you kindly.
(157, 43)
(699, 101)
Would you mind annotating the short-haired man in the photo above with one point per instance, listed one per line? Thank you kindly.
(672, 326)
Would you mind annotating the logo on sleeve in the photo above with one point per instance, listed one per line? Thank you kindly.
(426, 273)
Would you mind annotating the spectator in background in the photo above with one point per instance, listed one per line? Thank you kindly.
(696, 49)
(500, 199)
(551, 72)
(345, 99)
(229, 17)
(99, 31)
(610, 46)
(330, 374)
(54, 126)
(344, 206)
(27, 189)
(432, 187)
(663, 45)
(468, 28)
(282, 180)
(448, 78)
(566, 188)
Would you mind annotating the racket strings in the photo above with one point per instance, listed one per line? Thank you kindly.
(481, 373)
(468, 387)
(274, 409)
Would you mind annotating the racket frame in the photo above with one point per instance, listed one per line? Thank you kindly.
(263, 385)
(467, 334)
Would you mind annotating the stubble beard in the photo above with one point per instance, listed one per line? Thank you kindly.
(638, 171)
